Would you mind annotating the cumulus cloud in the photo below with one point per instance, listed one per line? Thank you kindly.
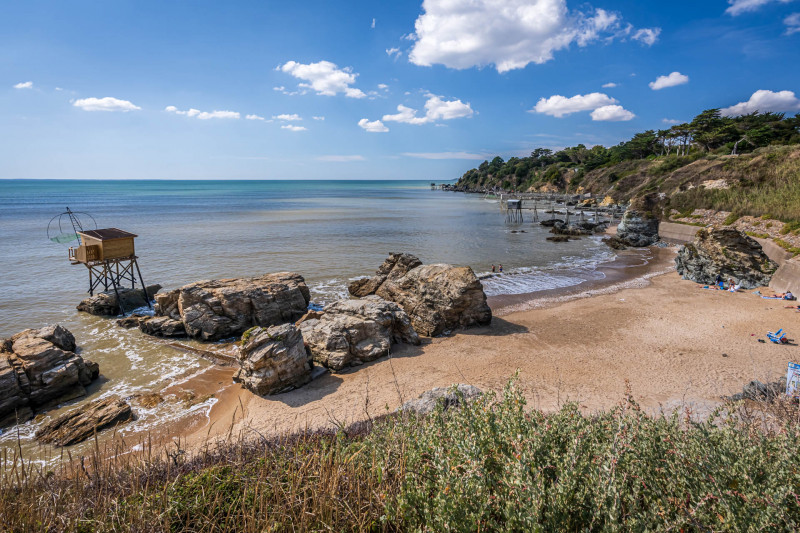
(647, 36)
(612, 113)
(254, 117)
(324, 78)
(394, 52)
(764, 101)
(383, 87)
(287, 117)
(341, 158)
(376, 126)
(792, 23)
(670, 80)
(609, 85)
(559, 106)
(105, 104)
(202, 115)
(737, 7)
(318, 118)
(508, 34)
(670, 121)
(24, 85)
(435, 109)
(446, 155)
(292, 127)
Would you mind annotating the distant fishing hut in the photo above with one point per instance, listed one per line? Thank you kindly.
(513, 210)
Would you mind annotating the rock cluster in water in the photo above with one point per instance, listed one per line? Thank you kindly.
(639, 225)
(80, 424)
(106, 303)
(38, 369)
(726, 252)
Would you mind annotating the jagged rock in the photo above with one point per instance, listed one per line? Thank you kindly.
(219, 309)
(273, 360)
(105, 303)
(571, 230)
(311, 315)
(639, 225)
(131, 321)
(558, 238)
(614, 243)
(80, 424)
(162, 326)
(438, 298)
(551, 222)
(37, 370)
(352, 332)
(450, 397)
(726, 252)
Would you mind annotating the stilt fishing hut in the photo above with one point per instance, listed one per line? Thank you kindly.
(513, 210)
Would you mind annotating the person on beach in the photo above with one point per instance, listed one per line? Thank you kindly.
(492, 269)
(501, 269)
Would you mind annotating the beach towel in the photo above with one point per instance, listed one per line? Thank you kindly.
(772, 298)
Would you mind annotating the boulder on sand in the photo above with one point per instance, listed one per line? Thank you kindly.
(726, 252)
(38, 369)
(219, 309)
(438, 298)
(639, 225)
(273, 360)
(449, 397)
(80, 424)
(353, 332)
(106, 304)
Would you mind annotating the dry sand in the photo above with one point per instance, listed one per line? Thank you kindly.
(675, 343)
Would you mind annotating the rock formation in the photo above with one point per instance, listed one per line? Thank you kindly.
(218, 309)
(450, 397)
(352, 332)
(726, 252)
(105, 303)
(38, 368)
(438, 298)
(273, 360)
(639, 226)
(162, 326)
(80, 424)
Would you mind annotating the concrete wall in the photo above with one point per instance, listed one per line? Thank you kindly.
(773, 251)
(677, 233)
(787, 278)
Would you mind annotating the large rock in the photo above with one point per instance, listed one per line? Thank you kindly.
(162, 326)
(639, 225)
(726, 252)
(352, 332)
(273, 360)
(80, 424)
(438, 298)
(106, 304)
(219, 309)
(448, 397)
(38, 369)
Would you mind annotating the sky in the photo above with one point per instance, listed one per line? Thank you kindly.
(367, 89)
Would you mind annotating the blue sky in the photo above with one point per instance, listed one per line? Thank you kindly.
(368, 90)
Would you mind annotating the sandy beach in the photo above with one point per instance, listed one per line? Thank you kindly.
(676, 344)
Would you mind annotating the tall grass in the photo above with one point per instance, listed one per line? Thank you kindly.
(491, 465)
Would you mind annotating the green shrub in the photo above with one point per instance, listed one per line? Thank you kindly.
(731, 219)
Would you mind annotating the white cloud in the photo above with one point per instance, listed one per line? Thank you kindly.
(254, 117)
(612, 113)
(792, 23)
(609, 85)
(406, 115)
(647, 36)
(325, 78)
(59, 89)
(764, 101)
(287, 117)
(341, 158)
(318, 118)
(670, 121)
(383, 87)
(446, 155)
(737, 7)
(373, 24)
(435, 109)
(559, 106)
(671, 80)
(24, 85)
(508, 34)
(393, 52)
(292, 127)
(105, 104)
(376, 126)
(202, 115)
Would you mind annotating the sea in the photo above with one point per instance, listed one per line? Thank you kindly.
(331, 232)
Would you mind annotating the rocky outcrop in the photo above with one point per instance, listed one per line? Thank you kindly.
(639, 226)
(761, 392)
(80, 424)
(162, 326)
(273, 360)
(726, 252)
(353, 332)
(219, 309)
(38, 368)
(449, 397)
(438, 298)
(106, 304)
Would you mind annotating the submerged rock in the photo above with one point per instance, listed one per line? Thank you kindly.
(105, 303)
(352, 332)
(726, 252)
(38, 369)
(639, 225)
(80, 424)
(273, 360)
(132, 321)
(449, 397)
(438, 298)
(219, 309)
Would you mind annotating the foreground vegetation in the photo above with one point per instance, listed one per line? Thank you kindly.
(491, 465)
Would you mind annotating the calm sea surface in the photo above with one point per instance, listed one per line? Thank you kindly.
(328, 231)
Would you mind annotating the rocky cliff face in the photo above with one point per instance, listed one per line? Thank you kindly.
(639, 225)
(438, 298)
(726, 252)
(106, 303)
(352, 332)
(218, 309)
(38, 369)
(273, 360)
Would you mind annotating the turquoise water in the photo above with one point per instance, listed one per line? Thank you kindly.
(329, 231)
